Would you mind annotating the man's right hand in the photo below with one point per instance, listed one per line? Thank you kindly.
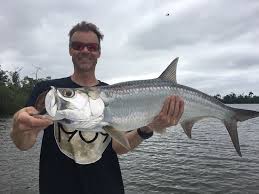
(26, 127)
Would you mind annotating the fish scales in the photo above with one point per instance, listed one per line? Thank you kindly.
(135, 104)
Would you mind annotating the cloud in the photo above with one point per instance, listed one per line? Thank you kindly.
(202, 22)
(217, 41)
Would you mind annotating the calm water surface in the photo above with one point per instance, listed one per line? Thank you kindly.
(170, 163)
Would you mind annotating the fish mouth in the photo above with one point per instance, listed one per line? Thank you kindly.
(67, 121)
(51, 102)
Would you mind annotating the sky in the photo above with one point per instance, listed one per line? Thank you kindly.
(216, 41)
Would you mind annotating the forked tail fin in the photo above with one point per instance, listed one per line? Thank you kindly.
(231, 124)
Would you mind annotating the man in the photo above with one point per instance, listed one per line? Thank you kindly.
(82, 162)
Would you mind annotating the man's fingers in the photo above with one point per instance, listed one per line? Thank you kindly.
(172, 106)
(31, 110)
(181, 109)
(165, 107)
(176, 109)
(40, 122)
(170, 114)
(28, 122)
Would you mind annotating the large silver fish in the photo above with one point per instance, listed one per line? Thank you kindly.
(129, 105)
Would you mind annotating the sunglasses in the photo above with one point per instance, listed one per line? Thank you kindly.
(80, 46)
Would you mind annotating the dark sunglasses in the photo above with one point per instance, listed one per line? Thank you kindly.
(79, 46)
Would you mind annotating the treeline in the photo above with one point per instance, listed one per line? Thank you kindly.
(14, 91)
(238, 99)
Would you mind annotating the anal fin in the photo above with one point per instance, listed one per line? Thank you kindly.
(188, 124)
(187, 127)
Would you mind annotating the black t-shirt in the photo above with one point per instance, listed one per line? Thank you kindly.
(60, 175)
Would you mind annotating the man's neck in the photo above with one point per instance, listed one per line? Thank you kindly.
(85, 79)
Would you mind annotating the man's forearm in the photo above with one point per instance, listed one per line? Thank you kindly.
(133, 138)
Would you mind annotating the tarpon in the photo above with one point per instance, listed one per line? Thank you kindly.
(129, 105)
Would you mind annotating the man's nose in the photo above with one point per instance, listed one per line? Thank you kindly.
(85, 49)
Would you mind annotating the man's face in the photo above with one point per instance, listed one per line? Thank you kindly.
(85, 50)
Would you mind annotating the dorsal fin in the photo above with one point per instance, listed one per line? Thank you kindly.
(170, 72)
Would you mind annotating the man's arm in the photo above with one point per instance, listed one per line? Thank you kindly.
(26, 127)
(170, 115)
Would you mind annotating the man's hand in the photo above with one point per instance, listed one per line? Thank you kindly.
(170, 114)
(26, 127)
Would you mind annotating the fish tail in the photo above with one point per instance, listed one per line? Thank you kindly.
(231, 124)
(243, 115)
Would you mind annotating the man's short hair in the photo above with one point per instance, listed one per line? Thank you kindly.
(86, 27)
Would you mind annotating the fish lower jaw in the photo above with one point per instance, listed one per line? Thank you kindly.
(95, 124)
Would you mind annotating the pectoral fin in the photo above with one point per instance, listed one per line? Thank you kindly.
(118, 136)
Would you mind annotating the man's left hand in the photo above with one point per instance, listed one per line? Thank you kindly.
(170, 114)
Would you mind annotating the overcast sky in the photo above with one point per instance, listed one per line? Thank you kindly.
(216, 41)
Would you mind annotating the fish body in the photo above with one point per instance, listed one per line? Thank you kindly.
(134, 104)
(129, 105)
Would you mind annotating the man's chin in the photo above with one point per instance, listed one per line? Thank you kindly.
(85, 67)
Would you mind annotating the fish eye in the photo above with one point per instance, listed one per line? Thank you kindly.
(68, 93)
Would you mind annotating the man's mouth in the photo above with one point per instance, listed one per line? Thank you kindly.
(85, 59)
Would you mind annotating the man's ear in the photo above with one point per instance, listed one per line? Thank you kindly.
(69, 50)
(99, 53)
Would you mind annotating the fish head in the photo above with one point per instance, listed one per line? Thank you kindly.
(74, 105)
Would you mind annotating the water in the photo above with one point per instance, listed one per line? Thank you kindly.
(170, 163)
